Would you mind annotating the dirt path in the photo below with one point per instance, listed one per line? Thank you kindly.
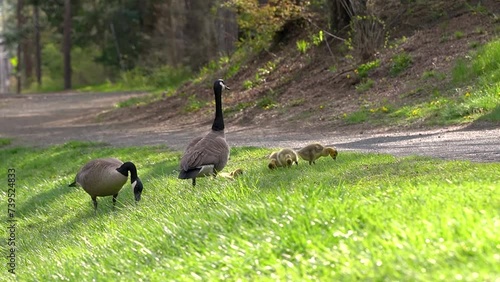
(45, 119)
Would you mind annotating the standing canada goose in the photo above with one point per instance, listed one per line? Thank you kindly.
(207, 155)
(284, 157)
(106, 177)
(313, 151)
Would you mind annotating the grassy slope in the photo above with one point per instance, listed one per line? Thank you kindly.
(365, 216)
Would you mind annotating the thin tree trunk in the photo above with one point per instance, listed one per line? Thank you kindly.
(20, 20)
(67, 44)
(38, 51)
(28, 60)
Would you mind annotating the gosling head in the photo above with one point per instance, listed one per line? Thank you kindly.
(272, 164)
(332, 152)
(236, 172)
(137, 187)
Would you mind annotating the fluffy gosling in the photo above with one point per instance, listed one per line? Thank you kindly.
(283, 158)
(314, 151)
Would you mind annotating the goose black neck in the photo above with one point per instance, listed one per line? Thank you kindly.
(125, 168)
(219, 120)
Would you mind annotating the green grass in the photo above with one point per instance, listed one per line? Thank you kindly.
(362, 217)
(400, 63)
(473, 93)
(365, 85)
(5, 141)
(364, 69)
(142, 100)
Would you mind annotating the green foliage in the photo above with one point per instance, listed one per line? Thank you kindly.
(485, 64)
(141, 79)
(92, 76)
(364, 69)
(266, 69)
(297, 102)
(400, 63)
(140, 100)
(460, 72)
(317, 39)
(164, 77)
(477, 9)
(258, 23)
(267, 102)
(302, 46)
(5, 142)
(87, 71)
(365, 85)
(458, 34)
(239, 107)
(261, 75)
(357, 117)
(433, 74)
(193, 104)
(475, 96)
(247, 84)
(265, 224)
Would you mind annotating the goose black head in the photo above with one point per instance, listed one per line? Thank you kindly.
(219, 85)
(137, 186)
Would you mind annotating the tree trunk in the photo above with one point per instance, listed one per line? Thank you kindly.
(20, 21)
(38, 51)
(28, 60)
(226, 32)
(67, 44)
(339, 13)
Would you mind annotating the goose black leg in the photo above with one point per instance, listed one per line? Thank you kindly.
(194, 181)
(94, 200)
(114, 199)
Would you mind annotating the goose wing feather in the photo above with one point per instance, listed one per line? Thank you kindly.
(100, 178)
(209, 150)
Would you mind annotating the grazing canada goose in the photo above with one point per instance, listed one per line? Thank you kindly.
(106, 177)
(284, 157)
(312, 152)
(207, 155)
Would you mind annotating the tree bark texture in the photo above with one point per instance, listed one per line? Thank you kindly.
(67, 44)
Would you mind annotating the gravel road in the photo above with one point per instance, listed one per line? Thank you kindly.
(46, 119)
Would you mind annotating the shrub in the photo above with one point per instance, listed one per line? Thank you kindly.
(302, 46)
(365, 85)
(363, 69)
(400, 63)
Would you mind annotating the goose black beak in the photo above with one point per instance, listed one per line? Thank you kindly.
(138, 190)
(227, 87)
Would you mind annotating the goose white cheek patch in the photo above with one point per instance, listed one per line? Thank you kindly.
(133, 184)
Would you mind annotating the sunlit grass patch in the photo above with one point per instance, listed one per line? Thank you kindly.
(368, 215)
(5, 141)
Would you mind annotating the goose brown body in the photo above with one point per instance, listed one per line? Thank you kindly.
(106, 177)
(209, 154)
(209, 150)
(100, 178)
(284, 157)
(314, 151)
